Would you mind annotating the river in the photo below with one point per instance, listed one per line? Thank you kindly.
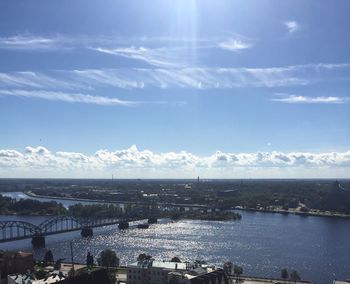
(263, 243)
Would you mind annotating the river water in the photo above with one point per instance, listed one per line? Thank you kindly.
(263, 243)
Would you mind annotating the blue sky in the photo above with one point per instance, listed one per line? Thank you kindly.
(174, 88)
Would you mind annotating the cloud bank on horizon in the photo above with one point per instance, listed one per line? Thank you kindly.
(134, 163)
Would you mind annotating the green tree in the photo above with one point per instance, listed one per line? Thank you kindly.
(89, 259)
(143, 256)
(108, 258)
(48, 257)
(294, 276)
(175, 259)
(284, 273)
(237, 270)
(228, 267)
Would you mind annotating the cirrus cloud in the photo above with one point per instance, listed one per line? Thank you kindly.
(297, 99)
(28, 42)
(197, 78)
(67, 97)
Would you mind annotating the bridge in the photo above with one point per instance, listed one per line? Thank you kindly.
(17, 230)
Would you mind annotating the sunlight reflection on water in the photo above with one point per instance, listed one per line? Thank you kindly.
(261, 243)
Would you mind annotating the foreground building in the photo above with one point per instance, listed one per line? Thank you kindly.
(159, 272)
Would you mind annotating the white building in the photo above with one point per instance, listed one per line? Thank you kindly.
(161, 272)
(150, 271)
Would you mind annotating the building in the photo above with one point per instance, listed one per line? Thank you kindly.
(15, 262)
(30, 279)
(198, 276)
(162, 272)
(99, 276)
(263, 280)
(150, 271)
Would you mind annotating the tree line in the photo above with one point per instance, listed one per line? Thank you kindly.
(9, 206)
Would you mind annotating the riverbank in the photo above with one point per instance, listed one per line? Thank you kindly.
(32, 194)
(212, 216)
(312, 212)
(30, 207)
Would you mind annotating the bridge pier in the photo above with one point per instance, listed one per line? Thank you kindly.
(38, 240)
(87, 232)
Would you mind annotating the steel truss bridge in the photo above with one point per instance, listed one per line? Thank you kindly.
(17, 230)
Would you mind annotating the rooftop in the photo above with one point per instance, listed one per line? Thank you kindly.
(257, 280)
(160, 264)
(28, 279)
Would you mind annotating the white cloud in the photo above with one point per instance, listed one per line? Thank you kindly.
(67, 97)
(37, 151)
(28, 42)
(10, 154)
(175, 56)
(193, 78)
(119, 78)
(30, 79)
(235, 44)
(33, 42)
(295, 99)
(132, 162)
(165, 52)
(210, 78)
(292, 26)
(161, 57)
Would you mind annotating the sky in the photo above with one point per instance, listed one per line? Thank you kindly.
(174, 89)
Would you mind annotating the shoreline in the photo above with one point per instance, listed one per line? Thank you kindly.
(31, 194)
(300, 213)
(276, 211)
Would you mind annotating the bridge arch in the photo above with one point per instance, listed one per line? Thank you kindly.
(17, 229)
(14, 230)
(59, 223)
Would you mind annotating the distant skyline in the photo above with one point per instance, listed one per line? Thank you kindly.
(172, 89)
